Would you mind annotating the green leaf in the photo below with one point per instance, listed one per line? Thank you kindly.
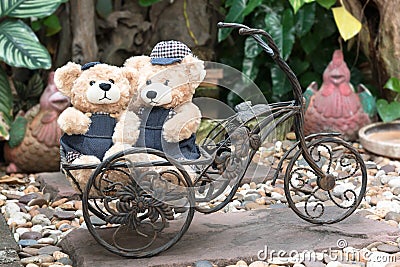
(281, 31)
(296, 4)
(19, 46)
(251, 48)
(35, 86)
(36, 25)
(251, 5)
(104, 8)
(4, 130)
(52, 24)
(308, 77)
(148, 2)
(326, 3)
(288, 33)
(299, 66)
(388, 111)
(22, 90)
(280, 84)
(309, 42)
(29, 8)
(325, 25)
(305, 20)
(250, 68)
(235, 14)
(393, 84)
(6, 104)
(17, 131)
(6, 98)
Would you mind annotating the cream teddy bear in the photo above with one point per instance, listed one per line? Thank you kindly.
(98, 124)
(167, 82)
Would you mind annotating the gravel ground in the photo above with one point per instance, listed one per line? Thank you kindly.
(38, 224)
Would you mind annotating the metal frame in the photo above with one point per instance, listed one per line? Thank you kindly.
(145, 198)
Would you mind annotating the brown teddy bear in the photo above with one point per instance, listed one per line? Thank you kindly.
(98, 124)
(167, 82)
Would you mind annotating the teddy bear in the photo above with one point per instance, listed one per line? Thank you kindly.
(97, 124)
(166, 85)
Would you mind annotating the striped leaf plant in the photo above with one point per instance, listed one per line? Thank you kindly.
(20, 47)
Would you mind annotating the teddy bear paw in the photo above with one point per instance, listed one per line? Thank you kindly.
(175, 134)
(115, 149)
(86, 159)
(73, 121)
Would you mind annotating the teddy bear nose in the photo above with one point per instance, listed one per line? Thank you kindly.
(151, 94)
(105, 86)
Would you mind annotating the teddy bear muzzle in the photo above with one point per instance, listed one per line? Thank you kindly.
(156, 94)
(103, 92)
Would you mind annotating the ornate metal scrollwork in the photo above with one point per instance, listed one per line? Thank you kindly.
(341, 187)
(131, 201)
(144, 213)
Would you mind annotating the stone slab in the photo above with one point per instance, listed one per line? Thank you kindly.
(8, 246)
(57, 185)
(225, 238)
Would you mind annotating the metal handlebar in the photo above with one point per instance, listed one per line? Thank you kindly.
(245, 30)
(271, 48)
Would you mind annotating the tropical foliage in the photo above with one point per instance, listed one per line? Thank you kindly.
(389, 111)
(305, 31)
(20, 47)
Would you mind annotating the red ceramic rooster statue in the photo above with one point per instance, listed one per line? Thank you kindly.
(336, 107)
(37, 148)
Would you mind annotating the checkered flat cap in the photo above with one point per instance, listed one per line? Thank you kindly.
(168, 52)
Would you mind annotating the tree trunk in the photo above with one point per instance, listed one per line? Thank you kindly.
(380, 39)
(131, 29)
(84, 45)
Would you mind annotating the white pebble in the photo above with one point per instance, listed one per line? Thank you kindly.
(22, 230)
(245, 187)
(78, 213)
(16, 220)
(47, 240)
(13, 192)
(10, 208)
(37, 228)
(41, 219)
(16, 237)
(276, 196)
(388, 205)
(388, 195)
(394, 182)
(278, 146)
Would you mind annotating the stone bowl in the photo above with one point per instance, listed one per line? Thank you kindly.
(382, 138)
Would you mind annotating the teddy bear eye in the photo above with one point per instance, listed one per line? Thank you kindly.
(92, 82)
(166, 82)
(148, 82)
(111, 80)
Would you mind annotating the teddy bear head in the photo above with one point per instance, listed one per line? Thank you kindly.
(96, 87)
(168, 77)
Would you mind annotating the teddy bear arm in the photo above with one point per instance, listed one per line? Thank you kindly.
(183, 124)
(127, 129)
(73, 121)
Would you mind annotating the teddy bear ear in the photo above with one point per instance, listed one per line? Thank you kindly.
(65, 76)
(195, 69)
(137, 62)
(132, 75)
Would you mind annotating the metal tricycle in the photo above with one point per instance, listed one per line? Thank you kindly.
(150, 205)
